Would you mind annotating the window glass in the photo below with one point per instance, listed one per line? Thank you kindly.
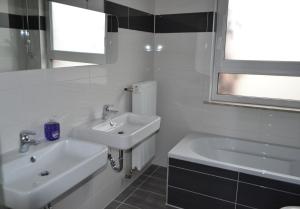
(261, 86)
(263, 30)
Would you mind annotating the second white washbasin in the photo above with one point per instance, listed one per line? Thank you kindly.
(122, 132)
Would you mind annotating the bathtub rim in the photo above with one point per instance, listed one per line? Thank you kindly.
(182, 151)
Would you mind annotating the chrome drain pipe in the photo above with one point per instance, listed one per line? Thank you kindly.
(113, 162)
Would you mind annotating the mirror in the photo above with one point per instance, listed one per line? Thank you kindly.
(40, 34)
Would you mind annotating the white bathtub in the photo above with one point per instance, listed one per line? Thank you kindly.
(260, 159)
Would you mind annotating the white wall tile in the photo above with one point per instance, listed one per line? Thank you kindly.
(191, 53)
(4, 6)
(183, 70)
(183, 6)
(144, 5)
(73, 96)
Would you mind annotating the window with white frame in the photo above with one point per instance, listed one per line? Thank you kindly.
(257, 53)
(77, 35)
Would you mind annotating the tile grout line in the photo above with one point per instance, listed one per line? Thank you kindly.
(128, 205)
(123, 203)
(207, 174)
(145, 190)
(207, 17)
(201, 194)
(150, 176)
(276, 190)
(136, 188)
(154, 177)
(246, 206)
(128, 16)
(237, 191)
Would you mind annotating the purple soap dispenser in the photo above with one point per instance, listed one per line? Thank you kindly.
(52, 130)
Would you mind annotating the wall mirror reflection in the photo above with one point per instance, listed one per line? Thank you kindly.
(40, 34)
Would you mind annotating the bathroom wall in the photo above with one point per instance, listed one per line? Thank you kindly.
(182, 69)
(72, 96)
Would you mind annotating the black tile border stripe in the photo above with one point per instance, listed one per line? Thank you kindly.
(141, 21)
(11, 21)
(184, 23)
(121, 11)
(112, 24)
(14, 21)
(130, 18)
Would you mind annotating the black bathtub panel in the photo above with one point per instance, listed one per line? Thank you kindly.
(265, 198)
(203, 183)
(242, 207)
(253, 191)
(204, 168)
(270, 183)
(188, 200)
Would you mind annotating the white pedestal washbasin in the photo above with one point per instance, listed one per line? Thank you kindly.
(121, 132)
(33, 179)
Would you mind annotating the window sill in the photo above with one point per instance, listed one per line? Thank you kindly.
(263, 107)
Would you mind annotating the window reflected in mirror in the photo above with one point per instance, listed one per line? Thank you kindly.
(71, 25)
(40, 34)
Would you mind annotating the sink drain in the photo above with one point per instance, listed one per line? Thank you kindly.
(121, 132)
(33, 159)
(44, 173)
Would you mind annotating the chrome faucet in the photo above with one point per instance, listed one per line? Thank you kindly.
(26, 140)
(107, 111)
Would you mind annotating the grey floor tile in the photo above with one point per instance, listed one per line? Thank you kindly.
(161, 172)
(146, 200)
(123, 206)
(157, 185)
(150, 170)
(125, 193)
(139, 181)
(112, 205)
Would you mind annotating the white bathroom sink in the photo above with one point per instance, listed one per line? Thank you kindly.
(122, 132)
(58, 167)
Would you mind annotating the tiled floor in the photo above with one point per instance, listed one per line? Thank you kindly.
(147, 192)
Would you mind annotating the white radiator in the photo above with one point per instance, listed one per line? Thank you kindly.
(144, 102)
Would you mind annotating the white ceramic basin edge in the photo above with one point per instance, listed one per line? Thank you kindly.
(25, 188)
(121, 132)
